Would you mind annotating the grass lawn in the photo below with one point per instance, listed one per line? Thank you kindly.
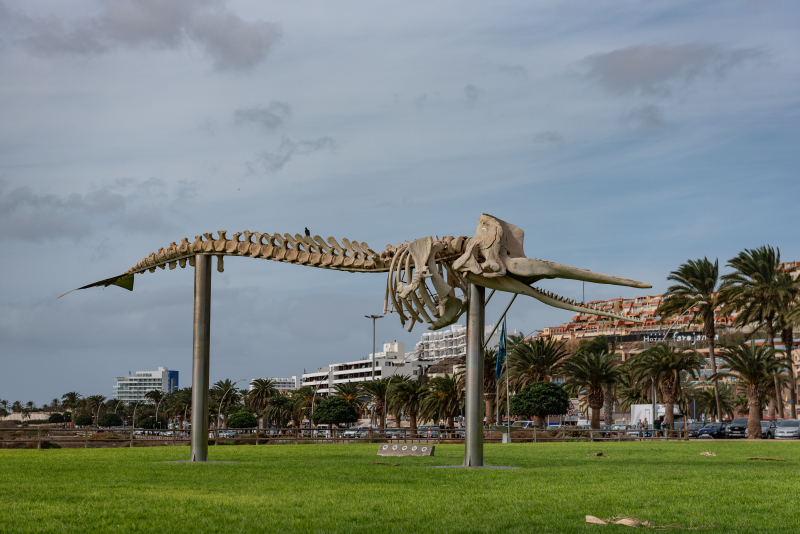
(339, 488)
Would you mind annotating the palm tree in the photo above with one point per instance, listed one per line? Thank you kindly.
(443, 399)
(93, 405)
(71, 401)
(629, 392)
(304, 399)
(603, 344)
(667, 366)
(16, 407)
(534, 361)
(696, 287)
(489, 380)
(279, 408)
(262, 390)
(589, 372)
(156, 396)
(707, 401)
(376, 390)
(757, 292)
(5, 404)
(751, 365)
(350, 391)
(407, 396)
(225, 394)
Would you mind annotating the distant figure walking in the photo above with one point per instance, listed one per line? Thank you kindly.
(639, 427)
(308, 234)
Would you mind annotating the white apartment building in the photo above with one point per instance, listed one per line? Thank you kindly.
(284, 384)
(133, 387)
(449, 342)
(392, 361)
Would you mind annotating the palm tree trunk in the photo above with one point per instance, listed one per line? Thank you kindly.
(489, 398)
(754, 417)
(608, 407)
(451, 421)
(412, 422)
(595, 401)
(711, 333)
(770, 327)
(787, 336)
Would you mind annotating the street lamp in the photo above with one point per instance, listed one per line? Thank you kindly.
(219, 412)
(374, 318)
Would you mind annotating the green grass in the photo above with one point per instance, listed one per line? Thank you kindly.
(338, 488)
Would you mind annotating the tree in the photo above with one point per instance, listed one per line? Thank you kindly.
(93, 405)
(350, 392)
(603, 344)
(407, 397)
(443, 399)
(148, 423)
(156, 396)
(279, 409)
(304, 399)
(225, 394)
(707, 401)
(376, 390)
(71, 401)
(263, 390)
(489, 380)
(753, 367)
(334, 411)
(587, 373)
(56, 418)
(109, 419)
(667, 366)
(757, 292)
(539, 400)
(83, 420)
(787, 318)
(696, 287)
(242, 420)
(534, 360)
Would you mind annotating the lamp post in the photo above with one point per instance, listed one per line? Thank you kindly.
(374, 318)
(133, 424)
(219, 412)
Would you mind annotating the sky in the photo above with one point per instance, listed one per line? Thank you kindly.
(622, 137)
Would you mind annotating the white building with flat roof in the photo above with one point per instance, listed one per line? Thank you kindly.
(392, 361)
(449, 342)
(284, 384)
(133, 387)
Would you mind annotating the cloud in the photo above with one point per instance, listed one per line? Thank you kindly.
(269, 118)
(660, 69)
(472, 93)
(513, 70)
(551, 137)
(274, 161)
(648, 118)
(231, 42)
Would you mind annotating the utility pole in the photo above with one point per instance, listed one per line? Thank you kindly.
(374, 318)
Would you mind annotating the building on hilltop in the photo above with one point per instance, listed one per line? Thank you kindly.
(132, 388)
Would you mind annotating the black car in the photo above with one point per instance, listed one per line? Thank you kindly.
(768, 429)
(737, 428)
(694, 428)
(714, 430)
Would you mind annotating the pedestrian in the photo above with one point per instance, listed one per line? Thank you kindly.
(639, 427)
(645, 425)
(665, 426)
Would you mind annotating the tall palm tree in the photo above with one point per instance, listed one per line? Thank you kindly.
(376, 390)
(489, 380)
(71, 401)
(751, 365)
(696, 287)
(534, 361)
(667, 366)
(156, 396)
(603, 344)
(757, 292)
(587, 373)
(407, 397)
(262, 390)
(443, 399)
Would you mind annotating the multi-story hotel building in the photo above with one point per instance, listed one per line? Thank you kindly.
(284, 384)
(133, 387)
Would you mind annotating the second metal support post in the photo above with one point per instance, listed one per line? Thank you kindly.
(200, 358)
(474, 402)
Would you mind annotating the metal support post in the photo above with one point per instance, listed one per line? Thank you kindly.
(40, 439)
(473, 442)
(200, 358)
(86, 439)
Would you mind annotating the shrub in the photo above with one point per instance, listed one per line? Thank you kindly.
(50, 445)
(57, 418)
(109, 419)
(149, 423)
(334, 411)
(540, 399)
(84, 420)
(242, 420)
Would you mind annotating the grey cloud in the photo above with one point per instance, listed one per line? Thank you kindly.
(269, 118)
(472, 93)
(660, 69)
(421, 101)
(145, 220)
(513, 70)
(648, 118)
(276, 160)
(231, 42)
(552, 137)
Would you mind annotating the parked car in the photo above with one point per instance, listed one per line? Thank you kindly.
(694, 429)
(737, 428)
(428, 431)
(768, 429)
(788, 429)
(713, 430)
(356, 432)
